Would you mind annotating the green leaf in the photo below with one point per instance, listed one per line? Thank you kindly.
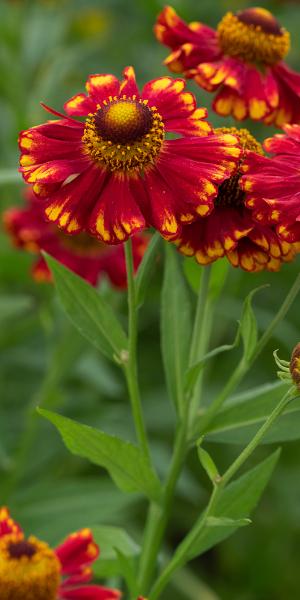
(236, 502)
(237, 422)
(219, 272)
(248, 326)
(128, 569)
(146, 268)
(112, 541)
(225, 522)
(191, 375)
(12, 307)
(127, 465)
(175, 326)
(92, 316)
(10, 176)
(208, 464)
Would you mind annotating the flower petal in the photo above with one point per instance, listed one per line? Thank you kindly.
(80, 105)
(101, 86)
(7, 524)
(116, 215)
(91, 592)
(170, 99)
(70, 207)
(77, 551)
(128, 85)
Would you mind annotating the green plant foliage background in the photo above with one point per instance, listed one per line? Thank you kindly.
(47, 50)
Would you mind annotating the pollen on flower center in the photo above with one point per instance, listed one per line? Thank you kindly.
(230, 193)
(29, 569)
(124, 134)
(253, 35)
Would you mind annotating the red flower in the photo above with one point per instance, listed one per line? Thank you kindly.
(242, 59)
(115, 173)
(83, 254)
(231, 229)
(31, 570)
(273, 184)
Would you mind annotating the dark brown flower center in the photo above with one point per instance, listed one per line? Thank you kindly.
(259, 17)
(230, 193)
(253, 35)
(124, 134)
(22, 548)
(123, 121)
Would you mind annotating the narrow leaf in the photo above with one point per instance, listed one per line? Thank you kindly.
(236, 503)
(175, 326)
(146, 268)
(112, 542)
(225, 522)
(87, 310)
(237, 422)
(126, 463)
(208, 464)
(248, 326)
(191, 375)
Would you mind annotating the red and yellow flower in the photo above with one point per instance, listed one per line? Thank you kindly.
(31, 570)
(232, 230)
(83, 254)
(116, 173)
(242, 59)
(272, 184)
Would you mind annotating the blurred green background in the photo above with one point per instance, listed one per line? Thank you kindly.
(47, 50)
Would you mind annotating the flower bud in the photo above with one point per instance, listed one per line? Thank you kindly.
(295, 366)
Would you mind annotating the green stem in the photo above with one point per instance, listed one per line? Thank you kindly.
(183, 551)
(130, 366)
(159, 515)
(241, 459)
(243, 366)
(200, 338)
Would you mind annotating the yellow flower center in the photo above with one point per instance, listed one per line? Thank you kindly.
(253, 35)
(230, 193)
(124, 133)
(29, 569)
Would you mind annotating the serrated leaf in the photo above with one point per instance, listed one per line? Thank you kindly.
(88, 311)
(239, 421)
(175, 326)
(236, 502)
(146, 268)
(112, 541)
(127, 465)
(248, 325)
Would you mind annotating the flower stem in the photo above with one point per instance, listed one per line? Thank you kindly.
(243, 366)
(183, 552)
(130, 366)
(159, 515)
(200, 338)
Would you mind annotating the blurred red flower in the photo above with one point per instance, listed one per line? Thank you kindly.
(242, 59)
(83, 254)
(31, 570)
